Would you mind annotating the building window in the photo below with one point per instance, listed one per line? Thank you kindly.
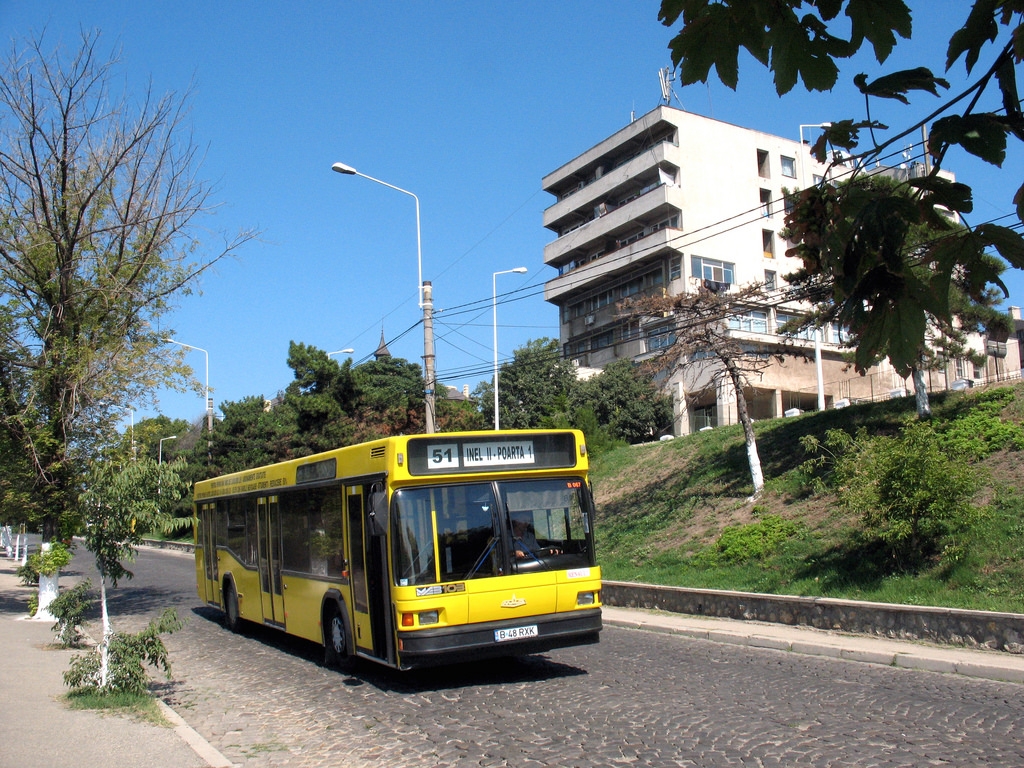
(768, 243)
(753, 320)
(781, 318)
(712, 270)
(763, 168)
(704, 416)
(770, 280)
(675, 268)
(766, 203)
(789, 202)
(838, 334)
(788, 167)
(662, 338)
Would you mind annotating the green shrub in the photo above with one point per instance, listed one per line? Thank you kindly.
(910, 493)
(755, 541)
(69, 609)
(28, 573)
(127, 656)
(981, 433)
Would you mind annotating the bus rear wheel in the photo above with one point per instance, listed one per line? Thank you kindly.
(336, 653)
(232, 618)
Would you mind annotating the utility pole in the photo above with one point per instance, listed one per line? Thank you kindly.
(428, 353)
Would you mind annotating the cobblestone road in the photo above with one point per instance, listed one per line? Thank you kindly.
(636, 699)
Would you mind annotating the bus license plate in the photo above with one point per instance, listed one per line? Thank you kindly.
(515, 633)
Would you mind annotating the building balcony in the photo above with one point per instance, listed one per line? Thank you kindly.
(595, 233)
(612, 263)
(583, 202)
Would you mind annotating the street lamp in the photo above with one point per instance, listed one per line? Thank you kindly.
(494, 307)
(160, 460)
(817, 331)
(425, 297)
(209, 400)
(346, 351)
(802, 148)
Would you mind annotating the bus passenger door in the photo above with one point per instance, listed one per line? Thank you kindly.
(368, 570)
(271, 595)
(208, 541)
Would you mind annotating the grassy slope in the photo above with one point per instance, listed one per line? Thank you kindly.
(660, 505)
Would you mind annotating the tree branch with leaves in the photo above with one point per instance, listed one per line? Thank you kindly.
(852, 237)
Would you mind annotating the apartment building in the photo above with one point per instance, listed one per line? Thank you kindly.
(674, 201)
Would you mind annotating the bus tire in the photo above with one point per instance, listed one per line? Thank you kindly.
(336, 637)
(232, 618)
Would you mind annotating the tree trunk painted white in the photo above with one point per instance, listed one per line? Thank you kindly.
(47, 593)
(753, 459)
(105, 642)
(924, 408)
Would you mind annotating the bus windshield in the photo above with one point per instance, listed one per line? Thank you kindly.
(448, 533)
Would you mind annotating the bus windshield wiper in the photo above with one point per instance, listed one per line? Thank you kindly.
(483, 556)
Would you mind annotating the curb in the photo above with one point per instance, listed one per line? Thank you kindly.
(840, 647)
(204, 749)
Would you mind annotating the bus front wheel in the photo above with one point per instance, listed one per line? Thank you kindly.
(336, 653)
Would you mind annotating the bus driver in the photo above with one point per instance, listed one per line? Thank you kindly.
(524, 542)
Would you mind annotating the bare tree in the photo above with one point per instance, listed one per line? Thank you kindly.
(703, 338)
(99, 199)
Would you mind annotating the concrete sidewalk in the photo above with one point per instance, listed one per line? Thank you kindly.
(39, 728)
(987, 664)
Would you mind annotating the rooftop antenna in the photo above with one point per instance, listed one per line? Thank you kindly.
(667, 76)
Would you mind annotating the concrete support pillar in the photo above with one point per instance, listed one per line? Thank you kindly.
(680, 411)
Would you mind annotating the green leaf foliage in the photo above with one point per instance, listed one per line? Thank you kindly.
(794, 47)
(910, 493)
(898, 84)
(123, 504)
(69, 608)
(754, 541)
(625, 401)
(983, 135)
(129, 655)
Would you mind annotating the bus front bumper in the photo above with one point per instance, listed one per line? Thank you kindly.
(533, 634)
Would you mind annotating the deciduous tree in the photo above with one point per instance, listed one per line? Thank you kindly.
(121, 505)
(99, 201)
(702, 338)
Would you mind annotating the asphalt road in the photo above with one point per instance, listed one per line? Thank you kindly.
(636, 699)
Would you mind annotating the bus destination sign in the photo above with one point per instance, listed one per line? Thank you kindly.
(495, 454)
(441, 454)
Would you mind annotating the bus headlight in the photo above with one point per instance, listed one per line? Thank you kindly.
(428, 617)
(585, 598)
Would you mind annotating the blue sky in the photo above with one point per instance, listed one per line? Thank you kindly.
(466, 104)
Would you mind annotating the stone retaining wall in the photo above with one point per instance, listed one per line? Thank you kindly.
(999, 631)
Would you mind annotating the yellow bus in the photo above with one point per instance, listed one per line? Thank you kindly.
(410, 551)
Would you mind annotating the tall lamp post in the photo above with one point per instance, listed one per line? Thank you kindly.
(346, 351)
(425, 294)
(817, 331)
(494, 307)
(209, 400)
(160, 459)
